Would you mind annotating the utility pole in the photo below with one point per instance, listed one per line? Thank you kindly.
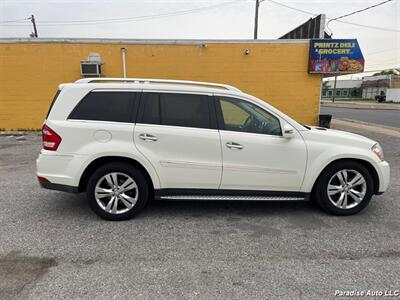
(256, 19)
(334, 89)
(34, 33)
(258, 2)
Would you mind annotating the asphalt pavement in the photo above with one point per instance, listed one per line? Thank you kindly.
(53, 247)
(383, 117)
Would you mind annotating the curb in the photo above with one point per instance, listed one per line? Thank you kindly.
(369, 124)
(12, 133)
(372, 127)
(362, 106)
(18, 133)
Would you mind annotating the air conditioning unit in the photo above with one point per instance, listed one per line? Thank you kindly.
(92, 66)
(90, 69)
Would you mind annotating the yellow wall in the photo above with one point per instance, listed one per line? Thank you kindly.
(277, 73)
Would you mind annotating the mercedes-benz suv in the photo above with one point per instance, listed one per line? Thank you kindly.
(125, 141)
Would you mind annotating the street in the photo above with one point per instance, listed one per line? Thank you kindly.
(383, 117)
(53, 247)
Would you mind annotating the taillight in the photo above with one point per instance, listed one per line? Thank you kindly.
(42, 179)
(51, 140)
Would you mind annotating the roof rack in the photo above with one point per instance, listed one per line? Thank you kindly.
(163, 81)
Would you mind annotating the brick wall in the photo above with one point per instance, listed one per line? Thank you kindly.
(274, 72)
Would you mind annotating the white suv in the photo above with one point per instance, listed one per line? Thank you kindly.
(125, 141)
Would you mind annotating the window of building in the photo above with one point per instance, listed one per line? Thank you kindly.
(345, 93)
(355, 92)
(324, 93)
(330, 93)
(184, 110)
(338, 92)
(243, 116)
(105, 106)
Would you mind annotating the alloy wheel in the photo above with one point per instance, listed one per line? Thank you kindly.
(347, 188)
(116, 193)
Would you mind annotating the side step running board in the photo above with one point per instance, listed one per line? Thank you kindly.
(230, 198)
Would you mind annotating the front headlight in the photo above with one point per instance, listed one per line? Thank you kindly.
(377, 149)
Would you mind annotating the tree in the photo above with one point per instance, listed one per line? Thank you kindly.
(388, 72)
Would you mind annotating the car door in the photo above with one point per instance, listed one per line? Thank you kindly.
(255, 154)
(178, 134)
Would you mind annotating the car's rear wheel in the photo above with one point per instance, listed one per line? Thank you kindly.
(117, 191)
(344, 188)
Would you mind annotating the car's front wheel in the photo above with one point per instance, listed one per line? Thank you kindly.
(344, 188)
(117, 191)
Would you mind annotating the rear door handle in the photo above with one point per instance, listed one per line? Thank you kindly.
(147, 137)
(233, 145)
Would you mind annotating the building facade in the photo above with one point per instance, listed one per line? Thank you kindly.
(272, 70)
(388, 85)
(345, 89)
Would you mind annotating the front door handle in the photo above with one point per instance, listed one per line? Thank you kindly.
(147, 137)
(233, 145)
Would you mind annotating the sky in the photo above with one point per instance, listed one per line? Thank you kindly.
(225, 19)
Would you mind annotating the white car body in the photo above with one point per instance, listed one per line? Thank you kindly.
(196, 158)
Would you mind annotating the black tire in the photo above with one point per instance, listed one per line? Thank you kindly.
(135, 174)
(321, 188)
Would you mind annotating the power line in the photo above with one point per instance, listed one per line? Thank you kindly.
(13, 21)
(360, 10)
(381, 51)
(129, 19)
(293, 8)
(355, 12)
(383, 67)
(369, 26)
(340, 21)
(177, 13)
(384, 63)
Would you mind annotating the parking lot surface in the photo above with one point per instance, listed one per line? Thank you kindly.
(53, 247)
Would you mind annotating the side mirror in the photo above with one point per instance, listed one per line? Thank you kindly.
(288, 131)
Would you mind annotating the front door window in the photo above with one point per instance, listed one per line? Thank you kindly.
(243, 116)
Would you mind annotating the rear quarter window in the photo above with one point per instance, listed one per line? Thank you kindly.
(106, 106)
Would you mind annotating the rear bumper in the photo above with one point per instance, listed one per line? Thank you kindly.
(59, 187)
(59, 169)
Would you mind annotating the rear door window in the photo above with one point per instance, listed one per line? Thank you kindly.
(106, 106)
(184, 110)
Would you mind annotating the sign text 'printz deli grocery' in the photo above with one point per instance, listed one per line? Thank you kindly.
(329, 56)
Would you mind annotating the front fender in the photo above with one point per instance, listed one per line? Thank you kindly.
(317, 163)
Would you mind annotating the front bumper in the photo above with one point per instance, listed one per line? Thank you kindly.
(383, 170)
